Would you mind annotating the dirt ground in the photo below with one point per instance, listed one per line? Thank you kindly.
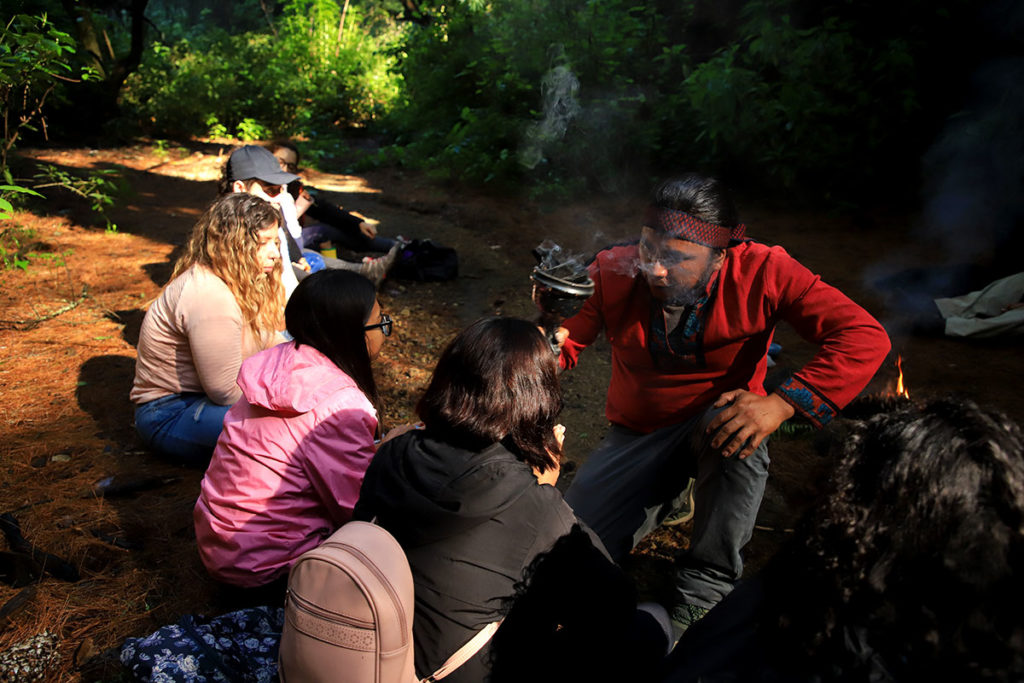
(69, 323)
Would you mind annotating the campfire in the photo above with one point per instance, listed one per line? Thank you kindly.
(864, 406)
(901, 389)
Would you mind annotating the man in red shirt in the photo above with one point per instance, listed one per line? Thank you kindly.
(690, 312)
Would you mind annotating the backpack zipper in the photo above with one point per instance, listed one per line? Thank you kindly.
(327, 615)
(362, 557)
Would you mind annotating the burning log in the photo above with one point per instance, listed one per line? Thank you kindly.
(863, 407)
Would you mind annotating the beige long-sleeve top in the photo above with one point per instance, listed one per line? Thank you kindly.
(193, 339)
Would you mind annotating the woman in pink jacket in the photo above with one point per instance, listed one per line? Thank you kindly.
(288, 466)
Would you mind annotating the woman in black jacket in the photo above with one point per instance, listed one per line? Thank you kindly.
(471, 497)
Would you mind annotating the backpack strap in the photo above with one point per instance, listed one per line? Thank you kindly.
(464, 653)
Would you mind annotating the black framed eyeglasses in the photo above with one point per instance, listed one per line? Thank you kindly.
(384, 325)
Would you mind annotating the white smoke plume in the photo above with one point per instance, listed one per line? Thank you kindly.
(559, 89)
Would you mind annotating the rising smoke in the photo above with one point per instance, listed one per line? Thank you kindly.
(559, 90)
(973, 179)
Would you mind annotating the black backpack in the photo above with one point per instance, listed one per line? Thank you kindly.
(425, 261)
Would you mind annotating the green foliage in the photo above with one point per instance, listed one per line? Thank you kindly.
(317, 72)
(787, 94)
(215, 129)
(19, 247)
(99, 187)
(34, 55)
(250, 129)
(6, 206)
(12, 242)
(800, 105)
(551, 90)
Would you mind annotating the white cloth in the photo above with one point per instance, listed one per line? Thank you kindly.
(291, 215)
(984, 313)
(288, 278)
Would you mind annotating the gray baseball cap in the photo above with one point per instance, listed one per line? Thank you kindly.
(255, 162)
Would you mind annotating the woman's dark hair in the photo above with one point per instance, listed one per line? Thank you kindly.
(578, 608)
(225, 183)
(700, 196)
(915, 551)
(497, 381)
(328, 311)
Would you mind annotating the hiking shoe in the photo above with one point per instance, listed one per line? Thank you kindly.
(683, 617)
(374, 269)
(683, 513)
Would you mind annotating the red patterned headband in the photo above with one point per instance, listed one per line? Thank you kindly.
(684, 226)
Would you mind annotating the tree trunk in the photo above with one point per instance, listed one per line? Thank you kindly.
(96, 101)
(85, 29)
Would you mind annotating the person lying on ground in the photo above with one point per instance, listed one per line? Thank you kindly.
(908, 569)
(324, 221)
(470, 497)
(288, 466)
(222, 304)
(690, 312)
(254, 170)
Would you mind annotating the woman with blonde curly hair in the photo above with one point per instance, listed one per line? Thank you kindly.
(223, 304)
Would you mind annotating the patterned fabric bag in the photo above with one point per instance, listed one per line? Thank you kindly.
(238, 647)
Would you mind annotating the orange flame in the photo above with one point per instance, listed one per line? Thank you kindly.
(901, 390)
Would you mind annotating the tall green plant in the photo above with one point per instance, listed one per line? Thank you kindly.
(321, 66)
(34, 58)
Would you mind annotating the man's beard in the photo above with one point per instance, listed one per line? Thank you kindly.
(692, 295)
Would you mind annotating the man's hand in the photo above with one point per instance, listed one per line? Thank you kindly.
(304, 264)
(368, 228)
(747, 420)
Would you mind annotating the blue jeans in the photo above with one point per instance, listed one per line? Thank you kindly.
(633, 481)
(313, 235)
(183, 427)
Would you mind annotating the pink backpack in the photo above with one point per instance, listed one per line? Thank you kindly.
(348, 614)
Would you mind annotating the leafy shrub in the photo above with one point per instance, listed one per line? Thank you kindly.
(34, 56)
(786, 94)
(545, 90)
(99, 187)
(800, 105)
(257, 85)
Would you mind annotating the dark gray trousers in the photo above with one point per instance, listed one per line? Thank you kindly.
(632, 481)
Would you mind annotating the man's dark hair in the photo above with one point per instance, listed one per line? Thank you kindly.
(284, 143)
(915, 552)
(328, 311)
(497, 381)
(700, 196)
